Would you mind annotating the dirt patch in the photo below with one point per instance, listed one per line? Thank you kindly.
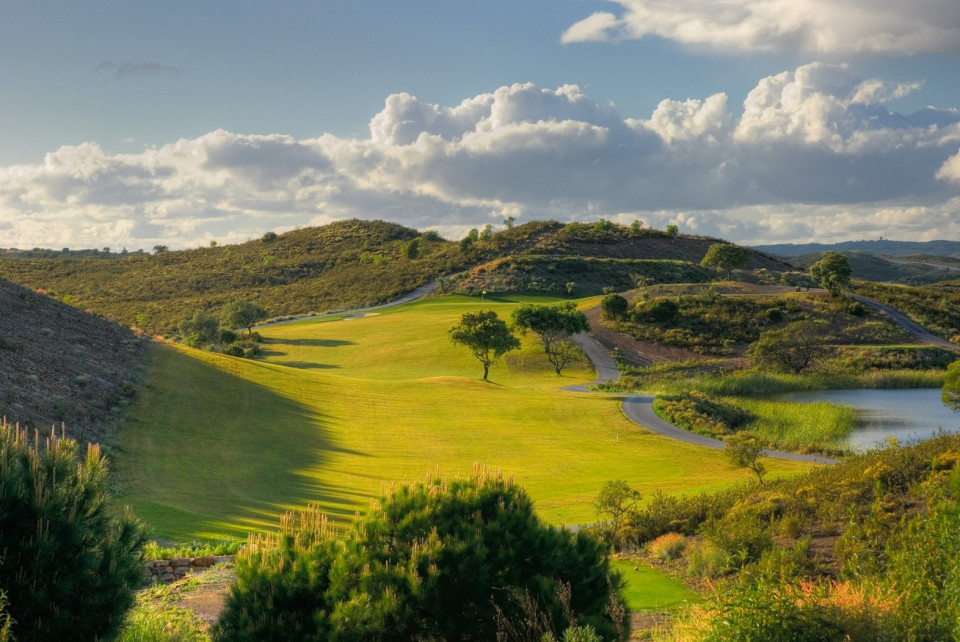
(207, 601)
(204, 593)
(634, 352)
(60, 365)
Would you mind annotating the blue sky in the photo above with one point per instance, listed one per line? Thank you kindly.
(131, 124)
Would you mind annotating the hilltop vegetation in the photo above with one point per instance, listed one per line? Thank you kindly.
(351, 264)
(61, 365)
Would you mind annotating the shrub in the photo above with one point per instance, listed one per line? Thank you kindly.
(435, 560)
(68, 564)
(857, 309)
(707, 560)
(614, 306)
(701, 413)
(668, 546)
(661, 310)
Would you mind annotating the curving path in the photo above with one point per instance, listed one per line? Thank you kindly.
(915, 329)
(639, 408)
(419, 293)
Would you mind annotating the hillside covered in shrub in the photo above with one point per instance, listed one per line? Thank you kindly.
(352, 264)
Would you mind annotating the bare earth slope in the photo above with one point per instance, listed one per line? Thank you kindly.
(62, 365)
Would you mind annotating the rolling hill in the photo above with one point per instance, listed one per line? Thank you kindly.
(352, 264)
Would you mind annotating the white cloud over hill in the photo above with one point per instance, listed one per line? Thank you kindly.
(825, 26)
(816, 154)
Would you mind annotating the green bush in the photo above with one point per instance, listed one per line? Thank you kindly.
(435, 560)
(67, 563)
(661, 310)
(614, 306)
(701, 413)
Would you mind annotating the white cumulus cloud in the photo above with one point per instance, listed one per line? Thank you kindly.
(829, 26)
(816, 153)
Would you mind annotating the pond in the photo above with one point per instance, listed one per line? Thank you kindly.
(906, 415)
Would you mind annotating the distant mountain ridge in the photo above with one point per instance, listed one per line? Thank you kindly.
(879, 247)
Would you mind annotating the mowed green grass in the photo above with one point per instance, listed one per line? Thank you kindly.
(647, 588)
(337, 411)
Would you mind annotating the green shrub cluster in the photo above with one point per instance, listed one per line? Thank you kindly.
(439, 560)
(702, 413)
(865, 550)
(935, 307)
(68, 563)
(551, 273)
(863, 359)
(709, 323)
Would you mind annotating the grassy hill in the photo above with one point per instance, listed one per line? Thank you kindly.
(337, 409)
(352, 264)
(59, 365)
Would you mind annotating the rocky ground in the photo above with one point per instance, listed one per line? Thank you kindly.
(62, 366)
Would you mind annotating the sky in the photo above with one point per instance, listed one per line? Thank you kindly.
(130, 124)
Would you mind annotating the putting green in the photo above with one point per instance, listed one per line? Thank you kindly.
(648, 589)
(336, 411)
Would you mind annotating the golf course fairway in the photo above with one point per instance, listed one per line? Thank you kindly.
(334, 411)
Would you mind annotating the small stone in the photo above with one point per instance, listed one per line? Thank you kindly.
(179, 561)
(203, 561)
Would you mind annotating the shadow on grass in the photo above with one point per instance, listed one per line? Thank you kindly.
(207, 451)
(316, 343)
(307, 365)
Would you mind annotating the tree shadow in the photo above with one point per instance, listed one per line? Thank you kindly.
(217, 453)
(307, 365)
(316, 343)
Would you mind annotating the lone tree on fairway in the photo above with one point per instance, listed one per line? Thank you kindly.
(727, 257)
(486, 335)
(793, 348)
(832, 272)
(241, 313)
(554, 324)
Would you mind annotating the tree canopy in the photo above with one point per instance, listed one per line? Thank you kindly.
(951, 386)
(241, 313)
(486, 336)
(554, 324)
(727, 257)
(435, 560)
(614, 306)
(793, 348)
(832, 272)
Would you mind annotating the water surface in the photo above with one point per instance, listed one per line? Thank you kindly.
(905, 415)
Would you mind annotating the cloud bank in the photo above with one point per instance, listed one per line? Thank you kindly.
(825, 26)
(815, 155)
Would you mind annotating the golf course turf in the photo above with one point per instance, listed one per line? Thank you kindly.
(334, 411)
